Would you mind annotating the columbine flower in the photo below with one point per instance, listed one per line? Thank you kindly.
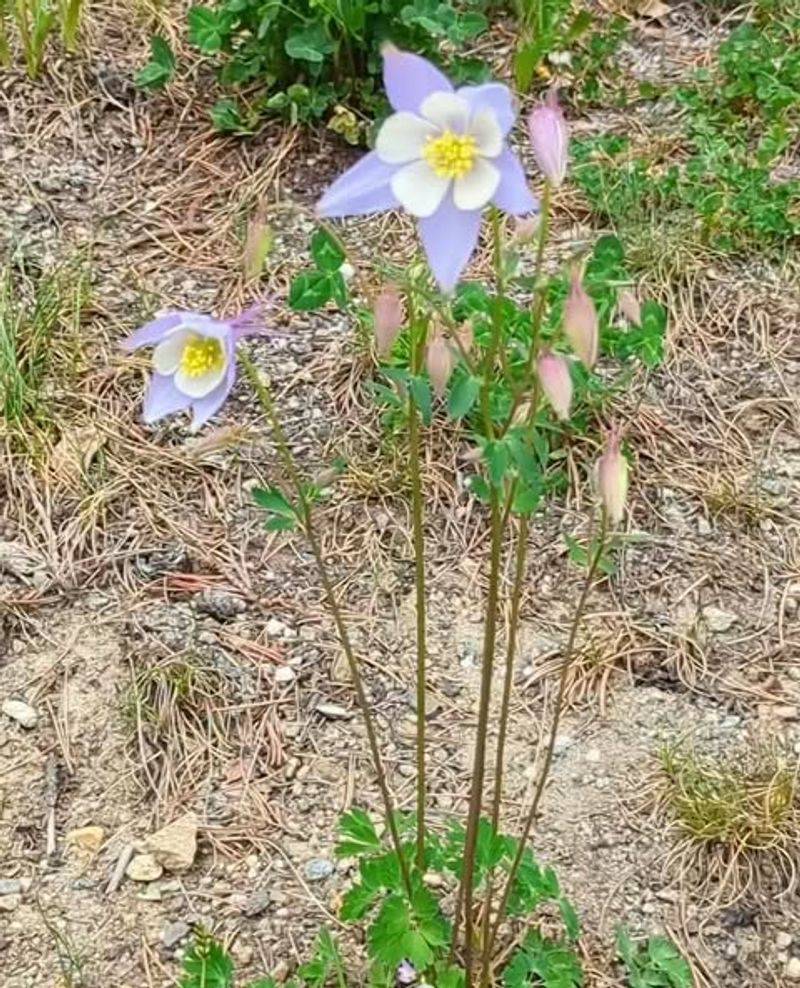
(550, 138)
(442, 157)
(580, 321)
(194, 361)
(556, 382)
(406, 973)
(388, 315)
(612, 478)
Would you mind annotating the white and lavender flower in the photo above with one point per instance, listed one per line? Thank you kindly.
(442, 157)
(194, 361)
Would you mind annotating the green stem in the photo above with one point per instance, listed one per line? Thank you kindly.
(569, 656)
(465, 896)
(265, 400)
(419, 580)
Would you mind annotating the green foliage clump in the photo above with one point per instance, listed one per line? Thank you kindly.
(35, 21)
(655, 964)
(726, 192)
(312, 58)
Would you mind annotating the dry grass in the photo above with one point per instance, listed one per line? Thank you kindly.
(736, 818)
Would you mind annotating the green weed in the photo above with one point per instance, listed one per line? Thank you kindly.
(35, 21)
(40, 316)
(655, 964)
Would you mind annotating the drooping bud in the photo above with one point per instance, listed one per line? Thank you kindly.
(580, 321)
(389, 316)
(465, 337)
(550, 138)
(439, 362)
(630, 308)
(556, 382)
(612, 478)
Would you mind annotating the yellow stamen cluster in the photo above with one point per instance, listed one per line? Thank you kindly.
(450, 155)
(202, 354)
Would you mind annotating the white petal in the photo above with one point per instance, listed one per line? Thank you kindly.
(419, 189)
(447, 111)
(476, 188)
(486, 131)
(401, 138)
(199, 387)
(167, 355)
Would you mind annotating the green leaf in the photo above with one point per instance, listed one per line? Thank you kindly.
(326, 959)
(327, 251)
(357, 835)
(382, 872)
(161, 67)
(392, 938)
(207, 964)
(278, 524)
(480, 488)
(526, 499)
(420, 391)
(206, 29)
(357, 902)
(271, 499)
(572, 923)
(309, 44)
(495, 455)
(227, 118)
(310, 290)
(462, 396)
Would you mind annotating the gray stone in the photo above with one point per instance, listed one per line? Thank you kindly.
(256, 903)
(285, 675)
(173, 933)
(219, 604)
(13, 886)
(318, 869)
(334, 712)
(8, 903)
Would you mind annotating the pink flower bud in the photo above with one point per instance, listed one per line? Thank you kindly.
(550, 138)
(612, 478)
(580, 321)
(439, 361)
(389, 316)
(556, 382)
(630, 308)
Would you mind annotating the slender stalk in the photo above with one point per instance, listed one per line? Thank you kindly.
(265, 400)
(569, 656)
(465, 896)
(419, 581)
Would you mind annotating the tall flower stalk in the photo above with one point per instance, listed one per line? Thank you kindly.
(418, 331)
(287, 459)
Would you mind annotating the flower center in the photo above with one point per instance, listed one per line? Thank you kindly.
(202, 354)
(450, 155)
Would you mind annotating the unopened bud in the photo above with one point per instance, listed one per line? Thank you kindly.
(439, 361)
(612, 478)
(580, 321)
(550, 138)
(556, 382)
(630, 308)
(389, 316)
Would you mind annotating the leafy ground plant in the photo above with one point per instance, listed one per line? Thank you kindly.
(728, 190)
(309, 60)
(35, 21)
(657, 963)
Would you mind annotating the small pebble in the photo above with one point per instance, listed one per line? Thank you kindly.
(22, 713)
(318, 869)
(173, 933)
(285, 675)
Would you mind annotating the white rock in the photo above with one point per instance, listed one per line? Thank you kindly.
(285, 674)
(275, 628)
(22, 713)
(783, 940)
(8, 903)
(144, 868)
(793, 969)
